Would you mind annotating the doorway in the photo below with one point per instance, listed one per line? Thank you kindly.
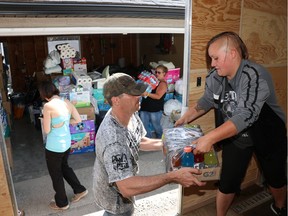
(30, 172)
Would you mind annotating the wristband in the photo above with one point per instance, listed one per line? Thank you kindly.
(148, 94)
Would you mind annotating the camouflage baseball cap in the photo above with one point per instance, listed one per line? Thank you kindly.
(120, 83)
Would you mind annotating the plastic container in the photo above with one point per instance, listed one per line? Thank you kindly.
(187, 159)
(199, 158)
(176, 160)
(210, 159)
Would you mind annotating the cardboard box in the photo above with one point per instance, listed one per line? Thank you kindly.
(80, 99)
(80, 65)
(82, 142)
(84, 126)
(210, 174)
(67, 63)
(174, 141)
(81, 79)
(87, 113)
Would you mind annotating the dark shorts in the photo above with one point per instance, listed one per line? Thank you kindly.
(235, 162)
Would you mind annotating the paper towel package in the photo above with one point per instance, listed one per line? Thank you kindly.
(82, 79)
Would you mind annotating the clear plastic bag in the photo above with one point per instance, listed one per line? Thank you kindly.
(174, 141)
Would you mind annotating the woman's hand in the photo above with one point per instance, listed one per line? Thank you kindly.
(203, 145)
(145, 94)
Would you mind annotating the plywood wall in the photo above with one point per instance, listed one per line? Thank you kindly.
(6, 206)
(262, 24)
(264, 30)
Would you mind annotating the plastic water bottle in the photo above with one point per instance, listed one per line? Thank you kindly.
(187, 159)
(210, 159)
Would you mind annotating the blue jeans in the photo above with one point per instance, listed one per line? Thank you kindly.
(154, 119)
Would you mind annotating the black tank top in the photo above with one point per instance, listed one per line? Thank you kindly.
(152, 105)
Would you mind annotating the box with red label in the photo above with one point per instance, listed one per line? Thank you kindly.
(80, 65)
(84, 126)
(82, 142)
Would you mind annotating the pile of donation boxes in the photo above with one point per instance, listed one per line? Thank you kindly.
(68, 71)
(84, 89)
(177, 140)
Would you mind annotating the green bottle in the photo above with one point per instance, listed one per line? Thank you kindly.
(210, 159)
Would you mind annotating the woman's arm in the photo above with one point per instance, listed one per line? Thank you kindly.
(46, 119)
(75, 116)
(161, 90)
(191, 114)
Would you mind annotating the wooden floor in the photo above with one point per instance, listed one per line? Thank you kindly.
(263, 209)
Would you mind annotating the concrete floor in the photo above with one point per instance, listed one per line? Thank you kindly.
(33, 186)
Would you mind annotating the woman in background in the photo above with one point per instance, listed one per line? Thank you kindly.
(57, 114)
(152, 104)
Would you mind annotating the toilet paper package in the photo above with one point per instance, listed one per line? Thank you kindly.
(81, 79)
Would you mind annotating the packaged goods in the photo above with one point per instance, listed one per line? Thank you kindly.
(177, 146)
(187, 160)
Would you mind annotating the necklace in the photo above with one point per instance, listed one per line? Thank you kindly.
(116, 119)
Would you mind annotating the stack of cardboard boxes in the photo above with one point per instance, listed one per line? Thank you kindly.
(83, 134)
(75, 85)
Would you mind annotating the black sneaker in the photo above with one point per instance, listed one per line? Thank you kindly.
(278, 211)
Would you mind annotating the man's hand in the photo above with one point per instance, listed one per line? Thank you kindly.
(188, 176)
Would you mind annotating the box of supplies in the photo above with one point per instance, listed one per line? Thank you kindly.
(174, 141)
(80, 98)
(87, 113)
(81, 79)
(82, 142)
(84, 126)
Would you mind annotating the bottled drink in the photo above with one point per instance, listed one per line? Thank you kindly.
(176, 160)
(187, 159)
(210, 159)
(199, 161)
(198, 158)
